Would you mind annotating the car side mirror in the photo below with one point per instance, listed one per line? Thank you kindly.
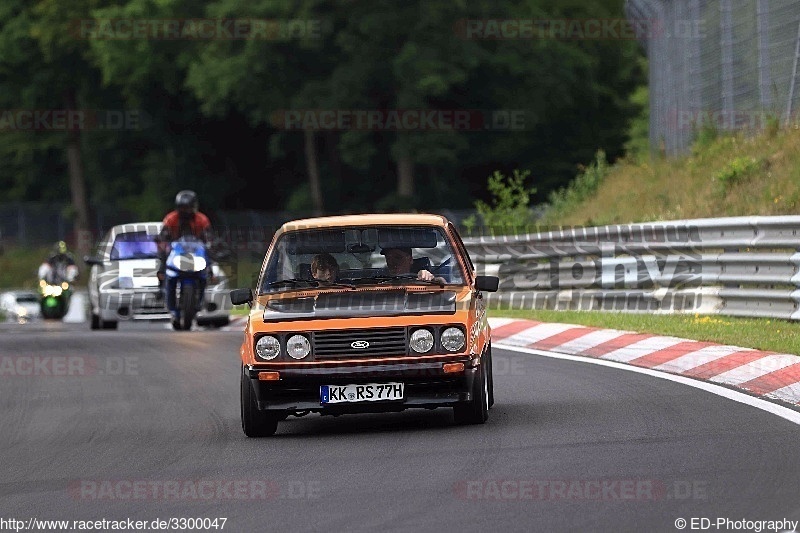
(241, 296)
(487, 283)
(92, 260)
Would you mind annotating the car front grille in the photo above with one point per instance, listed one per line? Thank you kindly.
(375, 342)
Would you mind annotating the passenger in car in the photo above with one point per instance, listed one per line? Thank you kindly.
(324, 268)
(399, 261)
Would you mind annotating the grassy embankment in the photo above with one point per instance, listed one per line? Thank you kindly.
(725, 176)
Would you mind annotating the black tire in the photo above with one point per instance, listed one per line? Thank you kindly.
(213, 322)
(220, 322)
(255, 423)
(188, 305)
(475, 411)
(95, 322)
(54, 313)
(491, 375)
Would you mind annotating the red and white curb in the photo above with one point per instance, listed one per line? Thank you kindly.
(765, 374)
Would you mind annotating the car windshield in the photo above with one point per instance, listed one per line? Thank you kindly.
(362, 255)
(134, 245)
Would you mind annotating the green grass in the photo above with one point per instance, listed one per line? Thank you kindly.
(19, 266)
(240, 310)
(763, 334)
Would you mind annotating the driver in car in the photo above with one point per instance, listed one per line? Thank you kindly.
(399, 260)
(324, 268)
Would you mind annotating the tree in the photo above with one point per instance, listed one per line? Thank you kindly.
(45, 68)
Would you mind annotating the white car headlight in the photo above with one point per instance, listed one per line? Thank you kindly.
(298, 346)
(268, 347)
(421, 340)
(453, 339)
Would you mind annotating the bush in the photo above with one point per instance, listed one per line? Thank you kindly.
(509, 212)
(585, 184)
(736, 171)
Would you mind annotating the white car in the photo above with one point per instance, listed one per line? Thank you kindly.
(20, 305)
(123, 284)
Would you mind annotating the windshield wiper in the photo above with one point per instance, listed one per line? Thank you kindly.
(294, 281)
(325, 284)
(408, 277)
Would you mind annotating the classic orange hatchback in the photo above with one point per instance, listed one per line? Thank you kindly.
(365, 313)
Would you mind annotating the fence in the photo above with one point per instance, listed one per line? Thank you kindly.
(728, 64)
(31, 224)
(739, 266)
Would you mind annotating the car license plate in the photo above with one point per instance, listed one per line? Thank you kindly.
(367, 392)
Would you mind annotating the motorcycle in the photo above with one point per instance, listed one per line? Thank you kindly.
(55, 290)
(187, 271)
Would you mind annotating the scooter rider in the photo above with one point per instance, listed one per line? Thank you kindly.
(184, 220)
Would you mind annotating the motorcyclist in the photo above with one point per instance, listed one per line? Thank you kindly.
(59, 266)
(184, 220)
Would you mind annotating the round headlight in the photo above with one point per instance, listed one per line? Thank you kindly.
(421, 341)
(298, 346)
(268, 347)
(453, 339)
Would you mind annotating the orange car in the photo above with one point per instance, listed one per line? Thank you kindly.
(365, 313)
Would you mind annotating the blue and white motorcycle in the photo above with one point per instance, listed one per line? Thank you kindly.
(187, 271)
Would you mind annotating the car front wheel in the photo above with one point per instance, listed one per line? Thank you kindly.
(255, 423)
(476, 411)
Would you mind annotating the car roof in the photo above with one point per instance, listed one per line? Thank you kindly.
(365, 220)
(136, 226)
(151, 228)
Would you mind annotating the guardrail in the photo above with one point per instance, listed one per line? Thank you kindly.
(739, 266)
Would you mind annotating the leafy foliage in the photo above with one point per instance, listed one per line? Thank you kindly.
(637, 147)
(509, 211)
(736, 171)
(211, 104)
(585, 184)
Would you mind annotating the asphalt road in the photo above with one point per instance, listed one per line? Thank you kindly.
(143, 423)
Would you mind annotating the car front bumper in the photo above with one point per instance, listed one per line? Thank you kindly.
(426, 385)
